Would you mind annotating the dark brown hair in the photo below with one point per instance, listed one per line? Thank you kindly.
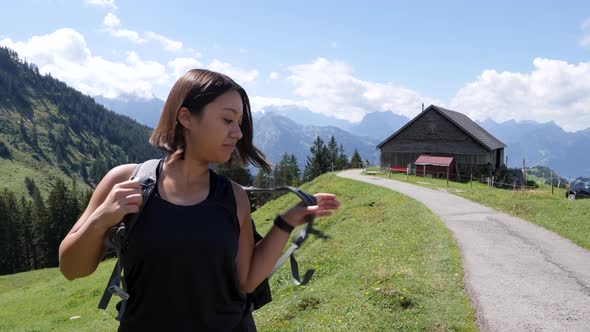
(195, 89)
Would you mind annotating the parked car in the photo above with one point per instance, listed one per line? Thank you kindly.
(580, 188)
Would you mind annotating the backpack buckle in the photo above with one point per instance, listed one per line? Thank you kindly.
(116, 290)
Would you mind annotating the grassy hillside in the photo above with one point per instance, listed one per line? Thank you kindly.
(390, 265)
(49, 130)
(570, 219)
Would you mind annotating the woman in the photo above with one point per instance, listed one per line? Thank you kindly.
(189, 262)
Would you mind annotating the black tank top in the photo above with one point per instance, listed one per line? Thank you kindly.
(180, 266)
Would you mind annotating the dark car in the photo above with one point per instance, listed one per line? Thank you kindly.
(580, 188)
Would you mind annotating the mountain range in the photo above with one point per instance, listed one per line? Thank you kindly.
(276, 134)
(145, 111)
(291, 129)
(49, 128)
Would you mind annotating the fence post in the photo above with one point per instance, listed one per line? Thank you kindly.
(551, 183)
(524, 173)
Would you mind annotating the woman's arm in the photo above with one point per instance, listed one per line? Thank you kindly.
(255, 262)
(83, 247)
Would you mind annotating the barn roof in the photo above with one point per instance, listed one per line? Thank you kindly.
(463, 122)
(433, 160)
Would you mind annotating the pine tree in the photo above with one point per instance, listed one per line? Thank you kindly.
(287, 172)
(27, 233)
(332, 153)
(34, 138)
(263, 179)
(342, 160)
(4, 234)
(356, 161)
(59, 151)
(318, 162)
(235, 172)
(9, 230)
(23, 131)
(39, 226)
(294, 173)
(62, 214)
(83, 170)
(4, 151)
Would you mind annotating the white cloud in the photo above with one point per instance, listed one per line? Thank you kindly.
(169, 44)
(333, 44)
(554, 91)
(242, 76)
(586, 23)
(127, 34)
(65, 54)
(329, 87)
(111, 20)
(180, 66)
(273, 75)
(102, 3)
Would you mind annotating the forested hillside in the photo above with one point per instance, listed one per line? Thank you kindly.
(49, 130)
(55, 145)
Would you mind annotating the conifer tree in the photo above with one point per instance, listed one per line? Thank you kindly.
(287, 172)
(61, 217)
(332, 152)
(4, 234)
(294, 173)
(34, 137)
(356, 161)
(263, 179)
(342, 160)
(26, 235)
(9, 230)
(235, 172)
(23, 131)
(318, 162)
(39, 226)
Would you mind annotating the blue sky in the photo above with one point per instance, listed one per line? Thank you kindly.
(497, 60)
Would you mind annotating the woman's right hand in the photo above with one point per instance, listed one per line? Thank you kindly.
(124, 198)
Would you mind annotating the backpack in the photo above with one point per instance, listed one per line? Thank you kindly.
(116, 240)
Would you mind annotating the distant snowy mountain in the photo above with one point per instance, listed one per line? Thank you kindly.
(275, 134)
(304, 116)
(144, 111)
(292, 129)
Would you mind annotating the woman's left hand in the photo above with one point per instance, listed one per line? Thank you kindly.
(295, 216)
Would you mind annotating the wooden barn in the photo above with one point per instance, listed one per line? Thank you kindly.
(437, 131)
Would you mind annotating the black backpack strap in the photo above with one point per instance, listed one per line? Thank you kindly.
(308, 200)
(116, 238)
(262, 294)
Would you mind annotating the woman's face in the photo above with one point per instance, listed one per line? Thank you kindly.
(215, 132)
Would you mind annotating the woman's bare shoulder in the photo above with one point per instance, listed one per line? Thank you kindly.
(120, 173)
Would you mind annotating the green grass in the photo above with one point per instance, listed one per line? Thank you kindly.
(570, 219)
(26, 162)
(390, 265)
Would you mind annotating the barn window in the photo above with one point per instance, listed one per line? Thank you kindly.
(431, 128)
